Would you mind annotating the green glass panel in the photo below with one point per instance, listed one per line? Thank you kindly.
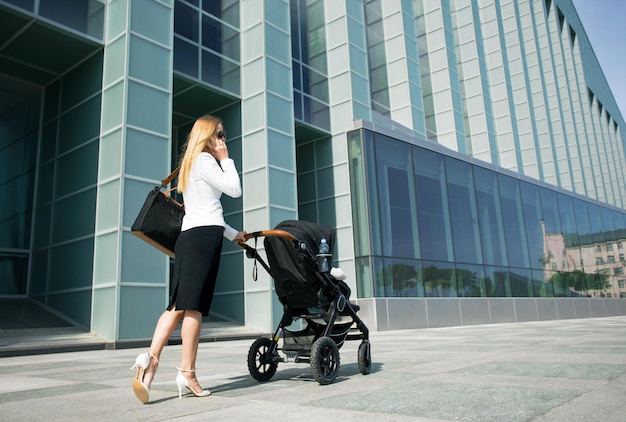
(142, 263)
(74, 216)
(147, 155)
(77, 170)
(80, 125)
(282, 188)
(108, 206)
(159, 71)
(71, 266)
(148, 108)
(157, 27)
(139, 309)
(106, 258)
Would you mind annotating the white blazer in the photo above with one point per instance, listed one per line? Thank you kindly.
(207, 182)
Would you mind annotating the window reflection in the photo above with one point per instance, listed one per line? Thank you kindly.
(402, 278)
(439, 279)
(533, 241)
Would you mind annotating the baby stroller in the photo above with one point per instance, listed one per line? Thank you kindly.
(309, 292)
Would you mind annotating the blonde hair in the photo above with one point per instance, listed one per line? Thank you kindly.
(200, 138)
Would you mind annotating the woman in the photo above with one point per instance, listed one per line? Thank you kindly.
(206, 171)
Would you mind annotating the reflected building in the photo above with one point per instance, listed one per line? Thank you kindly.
(585, 268)
(469, 154)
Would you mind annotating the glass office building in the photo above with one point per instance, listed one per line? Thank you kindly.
(469, 154)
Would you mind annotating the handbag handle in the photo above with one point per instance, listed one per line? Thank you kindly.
(169, 178)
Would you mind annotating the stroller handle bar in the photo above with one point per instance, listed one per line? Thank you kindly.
(263, 233)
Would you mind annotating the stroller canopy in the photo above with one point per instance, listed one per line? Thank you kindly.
(295, 279)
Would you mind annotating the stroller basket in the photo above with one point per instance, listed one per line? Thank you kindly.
(311, 295)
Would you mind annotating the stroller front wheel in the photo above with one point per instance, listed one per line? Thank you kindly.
(261, 363)
(324, 360)
(365, 357)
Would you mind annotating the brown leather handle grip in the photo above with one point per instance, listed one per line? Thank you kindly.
(265, 233)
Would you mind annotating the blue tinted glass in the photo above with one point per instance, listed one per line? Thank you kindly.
(462, 205)
(226, 10)
(550, 209)
(607, 223)
(568, 220)
(433, 216)
(84, 16)
(531, 205)
(220, 72)
(372, 192)
(596, 223)
(24, 4)
(297, 79)
(514, 227)
(185, 57)
(396, 200)
(186, 21)
(297, 106)
(320, 115)
(489, 217)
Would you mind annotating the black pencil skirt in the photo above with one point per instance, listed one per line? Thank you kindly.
(198, 251)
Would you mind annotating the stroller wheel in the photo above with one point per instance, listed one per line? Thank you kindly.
(324, 360)
(261, 363)
(365, 357)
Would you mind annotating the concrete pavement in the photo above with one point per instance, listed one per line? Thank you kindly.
(566, 370)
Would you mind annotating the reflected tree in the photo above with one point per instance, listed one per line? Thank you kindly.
(578, 281)
(402, 276)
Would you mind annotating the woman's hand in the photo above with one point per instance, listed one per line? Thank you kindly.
(220, 151)
(241, 237)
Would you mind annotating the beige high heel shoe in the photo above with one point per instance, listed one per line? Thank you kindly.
(182, 381)
(142, 391)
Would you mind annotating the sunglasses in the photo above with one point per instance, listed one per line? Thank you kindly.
(221, 134)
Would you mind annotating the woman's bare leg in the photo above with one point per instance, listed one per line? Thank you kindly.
(190, 333)
(165, 326)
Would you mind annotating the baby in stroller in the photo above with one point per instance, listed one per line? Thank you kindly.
(314, 294)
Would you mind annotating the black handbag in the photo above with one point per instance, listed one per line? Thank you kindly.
(160, 218)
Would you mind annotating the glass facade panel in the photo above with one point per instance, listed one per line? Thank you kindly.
(497, 283)
(225, 10)
(309, 63)
(533, 241)
(463, 212)
(402, 278)
(531, 206)
(470, 280)
(84, 16)
(432, 206)
(439, 279)
(514, 226)
(489, 217)
(207, 42)
(397, 199)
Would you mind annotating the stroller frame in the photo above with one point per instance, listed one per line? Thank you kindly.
(326, 329)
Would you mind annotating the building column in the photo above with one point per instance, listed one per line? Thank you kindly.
(131, 279)
(405, 86)
(268, 140)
